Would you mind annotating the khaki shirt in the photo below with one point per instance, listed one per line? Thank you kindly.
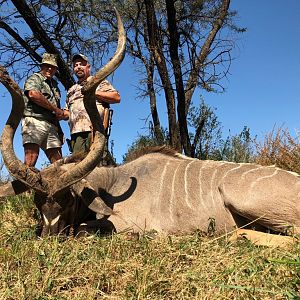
(79, 120)
(49, 88)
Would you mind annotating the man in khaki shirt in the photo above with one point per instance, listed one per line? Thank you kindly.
(79, 121)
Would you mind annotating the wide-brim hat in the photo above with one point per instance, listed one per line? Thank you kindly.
(79, 55)
(49, 59)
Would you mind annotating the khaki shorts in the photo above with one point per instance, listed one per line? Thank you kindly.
(40, 132)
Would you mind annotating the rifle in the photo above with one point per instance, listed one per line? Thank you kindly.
(107, 121)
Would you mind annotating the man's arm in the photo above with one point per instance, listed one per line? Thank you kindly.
(39, 99)
(108, 97)
(105, 92)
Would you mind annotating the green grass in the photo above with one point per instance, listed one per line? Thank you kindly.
(137, 267)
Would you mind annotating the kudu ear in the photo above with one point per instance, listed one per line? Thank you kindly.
(91, 198)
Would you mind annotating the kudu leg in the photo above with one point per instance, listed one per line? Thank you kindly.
(264, 239)
(279, 216)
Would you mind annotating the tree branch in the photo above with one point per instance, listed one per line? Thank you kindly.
(22, 42)
(205, 50)
(156, 49)
(40, 34)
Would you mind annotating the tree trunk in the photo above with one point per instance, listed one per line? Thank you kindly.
(156, 49)
(181, 109)
(153, 108)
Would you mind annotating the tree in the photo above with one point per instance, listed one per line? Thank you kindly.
(183, 46)
(208, 144)
(207, 137)
(238, 148)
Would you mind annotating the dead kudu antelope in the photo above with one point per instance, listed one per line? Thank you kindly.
(161, 190)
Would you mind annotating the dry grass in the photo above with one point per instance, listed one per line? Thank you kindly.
(130, 267)
(281, 149)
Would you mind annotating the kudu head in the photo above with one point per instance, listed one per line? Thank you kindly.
(58, 187)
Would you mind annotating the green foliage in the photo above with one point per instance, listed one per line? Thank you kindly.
(206, 137)
(205, 131)
(238, 148)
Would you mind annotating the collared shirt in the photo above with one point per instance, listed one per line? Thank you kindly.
(49, 88)
(79, 120)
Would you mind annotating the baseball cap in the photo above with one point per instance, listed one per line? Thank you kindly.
(79, 55)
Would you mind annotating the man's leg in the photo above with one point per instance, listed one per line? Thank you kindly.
(31, 154)
(52, 144)
(53, 154)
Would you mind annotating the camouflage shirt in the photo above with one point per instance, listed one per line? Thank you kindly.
(79, 120)
(49, 88)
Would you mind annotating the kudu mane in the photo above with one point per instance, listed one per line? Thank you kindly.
(165, 150)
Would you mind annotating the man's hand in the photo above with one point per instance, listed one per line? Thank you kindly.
(60, 114)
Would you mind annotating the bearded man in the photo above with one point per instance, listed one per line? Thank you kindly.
(79, 121)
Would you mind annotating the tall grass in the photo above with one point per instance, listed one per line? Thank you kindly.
(125, 266)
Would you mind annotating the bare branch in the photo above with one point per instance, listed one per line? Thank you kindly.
(65, 76)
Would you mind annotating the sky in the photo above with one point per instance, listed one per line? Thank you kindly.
(261, 90)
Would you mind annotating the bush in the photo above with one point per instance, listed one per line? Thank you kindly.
(281, 149)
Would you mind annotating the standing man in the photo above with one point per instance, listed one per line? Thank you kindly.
(79, 121)
(40, 123)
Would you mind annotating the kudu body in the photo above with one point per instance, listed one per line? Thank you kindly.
(162, 191)
(174, 194)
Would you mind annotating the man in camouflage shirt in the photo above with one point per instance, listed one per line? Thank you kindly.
(40, 123)
(79, 121)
